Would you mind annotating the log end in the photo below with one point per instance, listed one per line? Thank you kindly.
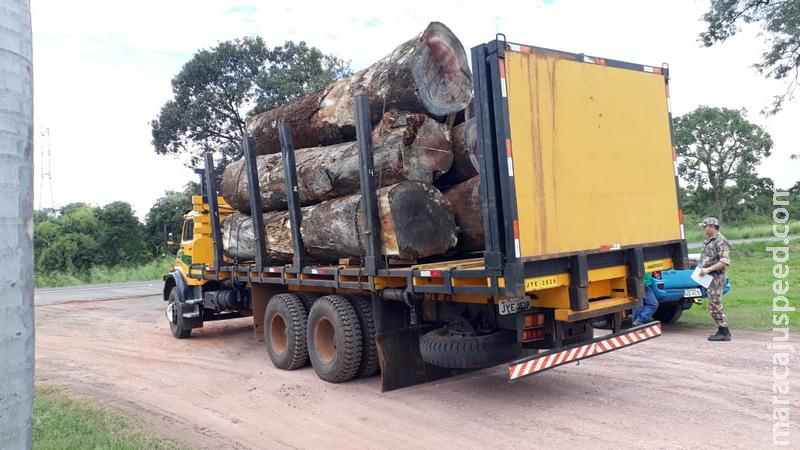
(427, 148)
(465, 201)
(465, 161)
(424, 225)
(441, 71)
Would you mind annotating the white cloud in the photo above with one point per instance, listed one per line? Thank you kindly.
(103, 69)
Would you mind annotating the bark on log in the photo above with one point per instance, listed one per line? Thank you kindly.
(429, 74)
(465, 201)
(416, 221)
(465, 154)
(407, 146)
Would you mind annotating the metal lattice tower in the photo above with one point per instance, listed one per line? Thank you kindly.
(46, 169)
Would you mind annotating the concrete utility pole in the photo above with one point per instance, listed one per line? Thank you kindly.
(16, 224)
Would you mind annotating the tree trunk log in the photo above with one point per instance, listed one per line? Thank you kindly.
(429, 73)
(465, 154)
(465, 201)
(407, 146)
(416, 222)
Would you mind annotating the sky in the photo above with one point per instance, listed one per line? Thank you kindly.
(102, 70)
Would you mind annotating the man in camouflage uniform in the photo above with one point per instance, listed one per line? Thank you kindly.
(715, 258)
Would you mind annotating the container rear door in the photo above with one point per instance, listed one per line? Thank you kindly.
(591, 154)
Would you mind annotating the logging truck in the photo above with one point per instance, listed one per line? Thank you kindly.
(578, 198)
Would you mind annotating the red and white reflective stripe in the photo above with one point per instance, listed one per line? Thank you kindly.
(590, 60)
(675, 160)
(669, 101)
(650, 69)
(680, 220)
(584, 351)
(503, 91)
(510, 158)
(519, 48)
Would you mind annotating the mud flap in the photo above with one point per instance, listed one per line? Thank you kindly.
(401, 362)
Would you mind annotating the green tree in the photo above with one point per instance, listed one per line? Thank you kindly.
(220, 87)
(168, 210)
(121, 237)
(757, 198)
(78, 236)
(795, 190)
(70, 252)
(719, 151)
(293, 71)
(780, 21)
(68, 241)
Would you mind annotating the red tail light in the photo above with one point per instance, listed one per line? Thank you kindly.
(660, 285)
(533, 320)
(530, 335)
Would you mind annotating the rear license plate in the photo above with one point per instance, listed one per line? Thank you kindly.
(694, 292)
(514, 305)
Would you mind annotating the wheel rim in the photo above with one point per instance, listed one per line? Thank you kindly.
(325, 340)
(278, 339)
(171, 317)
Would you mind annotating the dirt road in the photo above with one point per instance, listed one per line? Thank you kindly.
(218, 390)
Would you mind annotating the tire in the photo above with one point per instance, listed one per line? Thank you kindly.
(369, 357)
(285, 332)
(307, 298)
(176, 325)
(440, 348)
(334, 339)
(668, 312)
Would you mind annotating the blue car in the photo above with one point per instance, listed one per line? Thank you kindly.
(676, 291)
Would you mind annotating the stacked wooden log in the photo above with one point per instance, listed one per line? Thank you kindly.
(413, 92)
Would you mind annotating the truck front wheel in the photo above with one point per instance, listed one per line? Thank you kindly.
(175, 316)
(334, 339)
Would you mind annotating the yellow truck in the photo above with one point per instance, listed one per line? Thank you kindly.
(579, 200)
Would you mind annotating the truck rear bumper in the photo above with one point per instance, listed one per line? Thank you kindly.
(540, 362)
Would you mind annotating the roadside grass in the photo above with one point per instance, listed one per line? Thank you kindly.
(62, 420)
(152, 270)
(749, 302)
(737, 231)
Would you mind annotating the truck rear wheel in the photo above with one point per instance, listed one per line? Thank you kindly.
(668, 312)
(307, 298)
(175, 316)
(369, 360)
(442, 348)
(334, 339)
(285, 332)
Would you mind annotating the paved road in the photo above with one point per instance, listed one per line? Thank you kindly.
(743, 241)
(96, 292)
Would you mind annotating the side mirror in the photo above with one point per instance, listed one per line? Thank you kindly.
(169, 240)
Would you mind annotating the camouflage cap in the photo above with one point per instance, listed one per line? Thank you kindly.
(710, 221)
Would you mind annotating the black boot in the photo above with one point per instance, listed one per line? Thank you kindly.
(723, 334)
